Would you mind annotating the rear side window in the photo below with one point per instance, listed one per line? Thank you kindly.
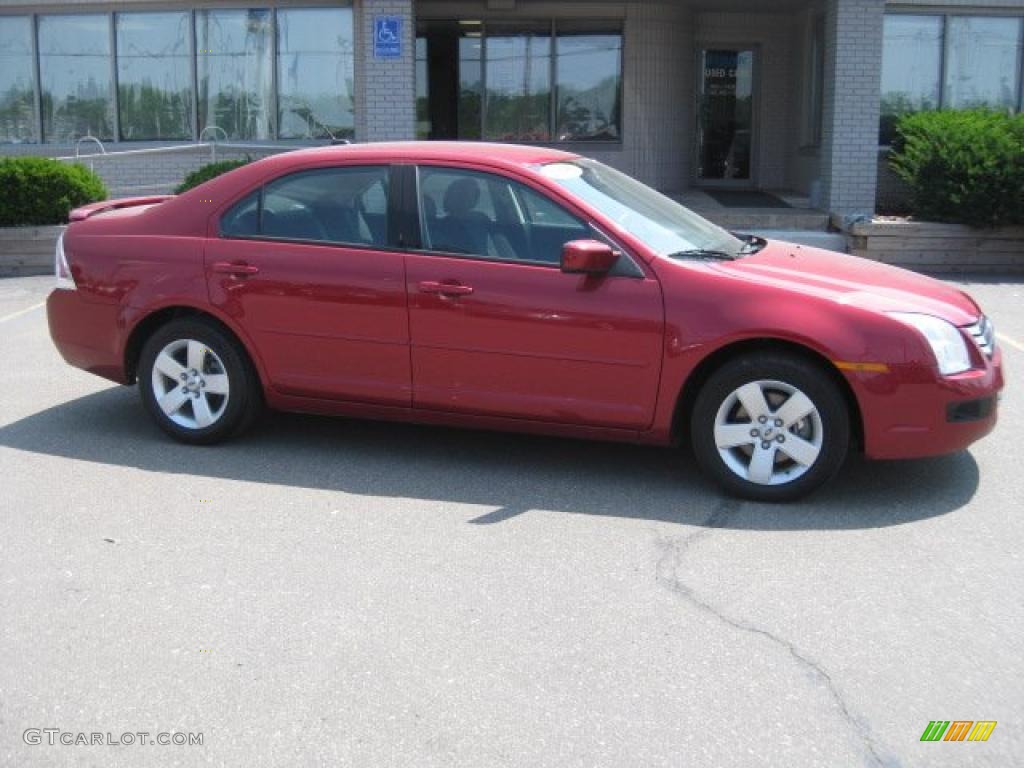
(330, 205)
(243, 220)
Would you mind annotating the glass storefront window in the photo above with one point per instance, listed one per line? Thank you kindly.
(316, 90)
(471, 85)
(17, 80)
(518, 86)
(154, 75)
(74, 73)
(911, 68)
(422, 89)
(234, 59)
(588, 75)
(982, 62)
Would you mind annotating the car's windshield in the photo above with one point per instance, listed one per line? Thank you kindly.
(662, 224)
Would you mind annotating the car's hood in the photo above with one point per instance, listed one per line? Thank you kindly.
(853, 280)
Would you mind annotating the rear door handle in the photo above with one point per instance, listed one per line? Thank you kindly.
(445, 289)
(239, 269)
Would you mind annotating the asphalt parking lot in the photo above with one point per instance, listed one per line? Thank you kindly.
(332, 592)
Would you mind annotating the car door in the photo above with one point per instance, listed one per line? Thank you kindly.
(305, 266)
(498, 329)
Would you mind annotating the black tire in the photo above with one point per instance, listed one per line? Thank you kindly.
(831, 427)
(236, 411)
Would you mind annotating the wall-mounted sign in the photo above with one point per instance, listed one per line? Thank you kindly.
(387, 37)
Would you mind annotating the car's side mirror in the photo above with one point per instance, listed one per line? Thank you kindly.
(590, 257)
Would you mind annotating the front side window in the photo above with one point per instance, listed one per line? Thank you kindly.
(315, 73)
(493, 217)
(330, 205)
(17, 80)
(234, 51)
(74, 72)
(154, 75)
(662, 224)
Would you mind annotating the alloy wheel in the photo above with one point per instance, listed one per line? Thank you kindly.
(190, 384)
(768, 432)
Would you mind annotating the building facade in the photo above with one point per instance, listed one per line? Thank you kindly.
(794, 95)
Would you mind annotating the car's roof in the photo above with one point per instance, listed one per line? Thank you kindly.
(425, 151)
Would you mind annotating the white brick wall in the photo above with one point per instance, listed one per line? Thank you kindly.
(853, 71)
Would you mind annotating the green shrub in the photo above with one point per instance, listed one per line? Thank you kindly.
(209, 171)
(39, 190)
(963, 166)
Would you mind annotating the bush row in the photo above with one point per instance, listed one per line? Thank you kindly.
(962, 167)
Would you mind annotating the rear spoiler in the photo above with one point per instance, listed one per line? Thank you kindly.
(83, 213)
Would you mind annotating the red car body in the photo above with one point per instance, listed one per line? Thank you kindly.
(377, 332)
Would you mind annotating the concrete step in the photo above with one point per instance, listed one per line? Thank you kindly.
(751, 220)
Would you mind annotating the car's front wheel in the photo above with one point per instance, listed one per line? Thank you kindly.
(196, 382)
(770, 427)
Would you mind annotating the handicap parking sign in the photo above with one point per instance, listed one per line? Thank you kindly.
(387, 37)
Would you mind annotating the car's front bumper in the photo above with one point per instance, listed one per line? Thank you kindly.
(911, 411)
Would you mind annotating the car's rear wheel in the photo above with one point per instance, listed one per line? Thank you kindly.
(770, 427)
(197, 383)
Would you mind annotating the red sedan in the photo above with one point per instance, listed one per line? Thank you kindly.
(519, 288)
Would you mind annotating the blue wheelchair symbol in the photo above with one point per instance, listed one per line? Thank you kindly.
(387, 37)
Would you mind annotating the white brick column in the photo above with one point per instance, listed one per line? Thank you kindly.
(385, 87)
(850, 105)
(657, 93)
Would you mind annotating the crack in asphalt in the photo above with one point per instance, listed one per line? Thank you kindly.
(666, 572)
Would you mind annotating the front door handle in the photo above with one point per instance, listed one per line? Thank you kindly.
(444, 288)
(237, 268)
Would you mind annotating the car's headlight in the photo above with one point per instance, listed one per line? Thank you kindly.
(947, 343)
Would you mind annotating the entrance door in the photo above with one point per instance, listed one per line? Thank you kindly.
(725, 117)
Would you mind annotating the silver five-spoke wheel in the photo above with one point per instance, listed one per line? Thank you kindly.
(190, 384)
(768, 432)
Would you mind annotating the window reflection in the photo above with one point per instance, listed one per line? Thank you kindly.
(471, 86)
(518, 84)
(154, 76)
(589, 74)
(982, 62)
(74, 72)
(315, 73)
(422, 88)
(17, 86)
(911, 65)
(234, 59)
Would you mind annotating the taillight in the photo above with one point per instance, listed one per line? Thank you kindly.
(61, 268)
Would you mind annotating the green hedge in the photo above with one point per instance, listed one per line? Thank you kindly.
(209, 171)
(35, 191)
(963, 167)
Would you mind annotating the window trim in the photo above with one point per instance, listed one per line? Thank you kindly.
(390, 246)
(94, 8)
(552, 23)
(945, 14)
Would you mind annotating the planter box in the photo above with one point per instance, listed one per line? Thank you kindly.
(27, 250)
(931, 247)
